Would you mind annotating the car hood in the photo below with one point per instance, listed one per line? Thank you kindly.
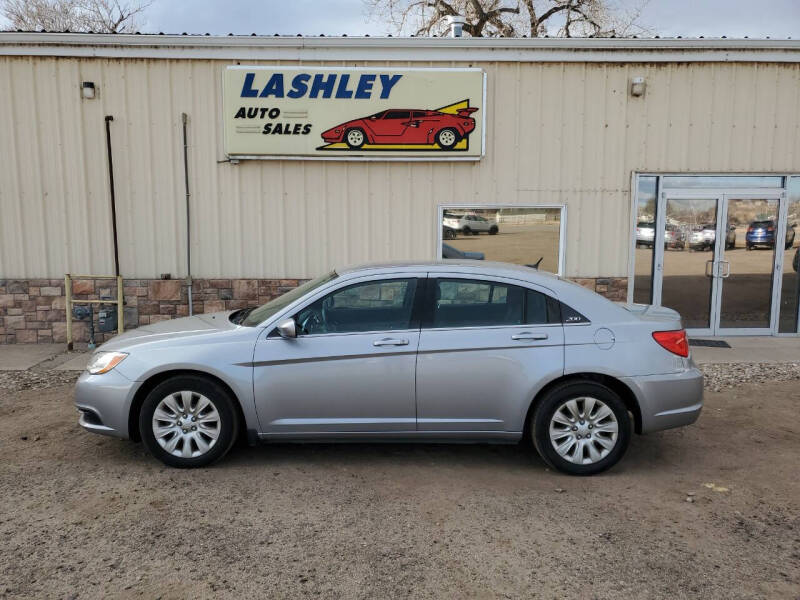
(172, 329)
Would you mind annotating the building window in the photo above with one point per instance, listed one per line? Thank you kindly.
(790, 284)
(524, 235)
(645, 234)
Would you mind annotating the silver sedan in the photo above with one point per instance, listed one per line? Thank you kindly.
(423, 352)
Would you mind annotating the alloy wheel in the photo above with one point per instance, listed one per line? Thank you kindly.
(583, 430)
(186, 424)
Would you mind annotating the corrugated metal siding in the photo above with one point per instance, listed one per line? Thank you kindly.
(556, 133)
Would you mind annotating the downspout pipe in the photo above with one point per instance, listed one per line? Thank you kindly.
(110, 118)
(184, 119)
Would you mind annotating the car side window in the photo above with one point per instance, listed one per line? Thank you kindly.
(471, 303)
(369, 306)
(541, 309)
(398, 114)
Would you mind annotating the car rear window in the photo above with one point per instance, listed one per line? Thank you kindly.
(474, 303)
(762, 223)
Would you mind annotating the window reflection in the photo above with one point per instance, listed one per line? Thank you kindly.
(524, 235)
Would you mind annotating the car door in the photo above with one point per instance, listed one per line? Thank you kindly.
(392, 126)
(351, 367)
(486, 346)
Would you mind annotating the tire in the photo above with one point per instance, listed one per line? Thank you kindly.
(581, 391)
(175, 392)
(493, 230)
(355, 138)
(749, 246)
(447, 138)
(466, 231)
(449, 234)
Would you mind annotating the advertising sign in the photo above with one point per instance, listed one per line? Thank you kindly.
(353, 113)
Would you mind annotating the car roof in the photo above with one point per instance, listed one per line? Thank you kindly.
(482, 266)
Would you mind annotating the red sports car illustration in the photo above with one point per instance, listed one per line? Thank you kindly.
(405, 126)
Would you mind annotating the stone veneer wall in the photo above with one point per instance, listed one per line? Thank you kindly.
(33, 310)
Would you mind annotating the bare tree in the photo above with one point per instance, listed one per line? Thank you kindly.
(102, 16)
(511, 18)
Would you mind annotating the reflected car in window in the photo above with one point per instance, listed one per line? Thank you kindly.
(450, 252)
(762, 234)
(703, 237)
(645, 233)
(451, 351)
(471, 224)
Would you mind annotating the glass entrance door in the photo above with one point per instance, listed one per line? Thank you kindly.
(747, 265)
(715, 261)
(686, 258)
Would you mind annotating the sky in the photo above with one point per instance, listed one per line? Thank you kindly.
(710, 18)
(691, 18)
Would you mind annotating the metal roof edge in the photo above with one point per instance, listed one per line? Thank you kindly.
(399, 48)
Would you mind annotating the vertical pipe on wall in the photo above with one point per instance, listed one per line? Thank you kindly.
(184, 119)
(110, 118)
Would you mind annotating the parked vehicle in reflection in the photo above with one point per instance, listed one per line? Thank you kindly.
(417, 352)
(704, 237)
(674, 238)
(471, 224)
(763, 232)
(448, 233)
(645, 233)
(450, 252)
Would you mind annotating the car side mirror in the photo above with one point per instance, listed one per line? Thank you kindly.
(287, 328)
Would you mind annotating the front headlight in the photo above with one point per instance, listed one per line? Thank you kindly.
(103, 362)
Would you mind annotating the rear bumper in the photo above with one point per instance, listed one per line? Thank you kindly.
(668, 401)
(104, 402)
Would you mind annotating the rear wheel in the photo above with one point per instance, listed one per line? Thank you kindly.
(447, 138)
(581, 428)
(466, 231)
(188, 421)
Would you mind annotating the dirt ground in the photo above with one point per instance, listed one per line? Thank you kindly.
(86, 516)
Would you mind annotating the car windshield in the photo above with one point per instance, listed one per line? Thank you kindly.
(265, 311)
(646, 225)
(762, 224)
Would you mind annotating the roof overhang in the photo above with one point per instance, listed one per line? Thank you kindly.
(405, 49)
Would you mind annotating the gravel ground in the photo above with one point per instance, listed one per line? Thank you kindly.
(723, 376)
(711, 510)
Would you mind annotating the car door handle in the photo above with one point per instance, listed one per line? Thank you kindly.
(390, 342)
(527, 335)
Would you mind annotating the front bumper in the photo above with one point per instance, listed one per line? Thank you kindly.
(667, 401)
(104, 402)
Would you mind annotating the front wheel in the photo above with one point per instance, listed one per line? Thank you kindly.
(355, 138)
(188, 421)
(447, 138)
(493, 230)
(581, 428)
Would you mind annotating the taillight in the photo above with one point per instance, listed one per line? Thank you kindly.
(770, 229)
(749, 230)
(674, 341)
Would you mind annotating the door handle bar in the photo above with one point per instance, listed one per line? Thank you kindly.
(390, 342)
(525, 335)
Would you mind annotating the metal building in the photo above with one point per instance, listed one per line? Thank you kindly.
(627, 152)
